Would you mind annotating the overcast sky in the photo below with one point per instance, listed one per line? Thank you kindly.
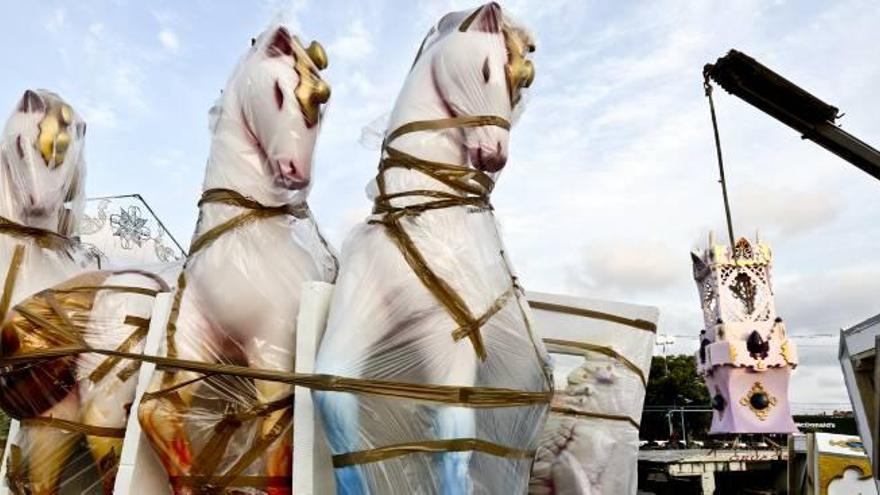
(612, 175)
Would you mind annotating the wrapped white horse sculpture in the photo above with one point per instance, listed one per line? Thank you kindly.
(238, 295)
(59, 399)
(427, 315)
(42, 172)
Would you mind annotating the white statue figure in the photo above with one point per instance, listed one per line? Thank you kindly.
(58, 401)
(238, 296)
(426, 298)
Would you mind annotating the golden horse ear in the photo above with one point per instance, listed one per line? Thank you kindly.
(311, 92)
(318, 55)
(520, 71)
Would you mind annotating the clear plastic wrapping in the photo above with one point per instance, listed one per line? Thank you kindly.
(42, 174)
(426, 297)
(72, 405)
(238, 295)
(602, 356)
(73, 409)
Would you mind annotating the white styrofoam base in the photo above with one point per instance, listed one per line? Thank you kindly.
(312, 463)
(139, 468)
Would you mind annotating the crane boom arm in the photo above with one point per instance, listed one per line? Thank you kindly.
(743, 76)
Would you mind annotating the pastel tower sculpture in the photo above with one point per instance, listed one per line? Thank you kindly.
(745, 354)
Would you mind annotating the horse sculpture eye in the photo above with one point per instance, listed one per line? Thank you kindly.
(486, 72)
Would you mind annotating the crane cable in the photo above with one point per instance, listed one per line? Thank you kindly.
(708, 89)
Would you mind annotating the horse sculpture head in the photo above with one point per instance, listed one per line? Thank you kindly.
(274, 102)
(472, 63)
(42, 169)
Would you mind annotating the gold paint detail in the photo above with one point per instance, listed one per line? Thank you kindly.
(832, 467)
(311, 91)
(758, 388)
(520, 71)
(54, 138)
(318, 55)
(786, 352)
(732, 348)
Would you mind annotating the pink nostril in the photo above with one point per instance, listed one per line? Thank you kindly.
(488, 160)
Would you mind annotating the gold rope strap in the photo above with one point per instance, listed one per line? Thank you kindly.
(499, 303)
(446, 295)
(9, 283)
(472, 186)
(457, 177)
(234, 198)
(256, 450)
(205, 481)
(15, 471)
(596, 315)
(44, 238)
(477, 397)
(75, 427)
(452, 122)
(256, 210)
(428, 447)
(568, 411)
(212, 453)
(108, 288)
(583, 349)
(58, 335)
(142, 325)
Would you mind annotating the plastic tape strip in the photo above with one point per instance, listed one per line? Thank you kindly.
(583, 349)
(428, 447)
(598, 315)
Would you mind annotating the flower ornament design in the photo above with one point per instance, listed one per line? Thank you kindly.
(130, 227)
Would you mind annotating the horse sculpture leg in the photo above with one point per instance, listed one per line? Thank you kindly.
(119, 320)
(340, 415)
(279, 454)
(457, 423)
(162, 412)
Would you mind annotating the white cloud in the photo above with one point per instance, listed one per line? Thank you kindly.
(169, 40)
(626, 268)
(787, 211)
(55, 21)
(98, 116)
(354, 45)
(96, 29)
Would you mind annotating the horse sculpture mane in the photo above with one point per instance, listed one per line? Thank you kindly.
(238, 295)
(426, 297)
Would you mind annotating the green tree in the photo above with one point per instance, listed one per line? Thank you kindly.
(673, 383)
